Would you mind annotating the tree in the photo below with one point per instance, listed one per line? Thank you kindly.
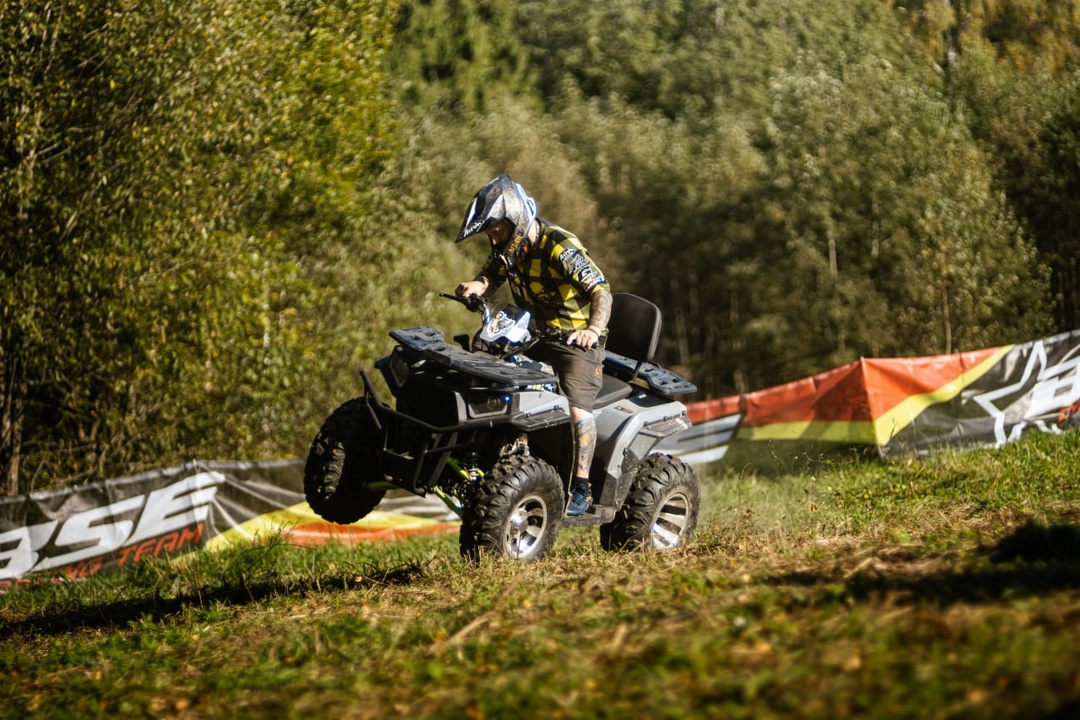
(1012, 64)
(177, 181)
(459, 54)
(882, 185)
(1054, 205)
(787, 181)
(1024, 123)
(80, 84)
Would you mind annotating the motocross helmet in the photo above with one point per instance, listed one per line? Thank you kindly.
(500, 199)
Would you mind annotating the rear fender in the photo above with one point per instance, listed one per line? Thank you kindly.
(627, 432)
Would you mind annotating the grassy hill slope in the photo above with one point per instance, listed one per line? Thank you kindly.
(944, 588)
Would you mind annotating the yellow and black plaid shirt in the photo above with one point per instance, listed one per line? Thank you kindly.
(554, 280)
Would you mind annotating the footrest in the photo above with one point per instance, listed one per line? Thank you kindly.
(597, 515)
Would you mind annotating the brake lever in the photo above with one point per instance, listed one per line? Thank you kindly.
(473, 303)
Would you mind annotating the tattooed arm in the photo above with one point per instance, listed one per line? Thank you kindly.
(599, 314)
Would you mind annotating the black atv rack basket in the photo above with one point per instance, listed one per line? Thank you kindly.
(412, 452)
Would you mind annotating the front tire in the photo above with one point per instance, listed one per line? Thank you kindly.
(342, 457)
(661, 510)
(517, 511)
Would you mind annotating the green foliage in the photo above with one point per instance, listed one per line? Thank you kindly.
(890, 218)
(1013, 65)
(80, 272)
(689, 58)
(1052, 206)
(671, 198)
(1033, 36)
(788, 182)
(460, 54)
(649, 54)
(175, 181)
(1026, 123)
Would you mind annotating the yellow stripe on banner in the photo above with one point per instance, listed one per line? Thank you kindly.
(895, 420)
(282, 522)
(860, 432)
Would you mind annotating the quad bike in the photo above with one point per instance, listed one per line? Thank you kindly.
(484, 428)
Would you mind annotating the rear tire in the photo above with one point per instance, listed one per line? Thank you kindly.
(661, 510)
(341, 461)
(517, 511)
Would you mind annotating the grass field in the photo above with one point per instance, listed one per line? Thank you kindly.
(852, 588)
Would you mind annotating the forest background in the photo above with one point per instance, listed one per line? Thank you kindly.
(213, 212)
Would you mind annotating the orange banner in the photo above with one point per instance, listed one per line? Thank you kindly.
(982, 397)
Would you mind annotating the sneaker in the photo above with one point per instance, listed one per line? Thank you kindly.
(580, 500)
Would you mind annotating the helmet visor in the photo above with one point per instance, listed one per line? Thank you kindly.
(500, 199)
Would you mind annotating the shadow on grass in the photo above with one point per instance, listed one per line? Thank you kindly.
(1036, 559)
(1035, 542)
(237, 591)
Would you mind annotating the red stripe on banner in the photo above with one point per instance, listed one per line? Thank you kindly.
(705, 410)
(890, 382)
(830, 396)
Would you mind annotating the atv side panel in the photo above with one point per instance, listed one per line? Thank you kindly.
(629, 429)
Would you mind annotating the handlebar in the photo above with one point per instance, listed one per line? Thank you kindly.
(474, 303)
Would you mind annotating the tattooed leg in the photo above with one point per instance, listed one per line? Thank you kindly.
(585, 429)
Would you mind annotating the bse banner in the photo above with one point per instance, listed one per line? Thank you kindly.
(115, 524)
(983, 398)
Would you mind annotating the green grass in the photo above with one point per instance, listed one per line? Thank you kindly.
(944, 588)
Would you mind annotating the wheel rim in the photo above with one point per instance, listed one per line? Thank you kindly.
(671, 521)
(526, 527)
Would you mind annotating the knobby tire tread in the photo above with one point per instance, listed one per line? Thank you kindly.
(343, 450)
(484, 524)
(657, 477)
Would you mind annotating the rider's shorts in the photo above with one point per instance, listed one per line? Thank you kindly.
(580, 371)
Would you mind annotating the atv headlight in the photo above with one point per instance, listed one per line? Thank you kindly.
(485, 405)
(399, 369)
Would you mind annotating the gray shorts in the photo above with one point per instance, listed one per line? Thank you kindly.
(580, 371)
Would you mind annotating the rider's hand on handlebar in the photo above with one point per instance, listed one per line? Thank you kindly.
(471, 294)
(472, 287)
(586, 338)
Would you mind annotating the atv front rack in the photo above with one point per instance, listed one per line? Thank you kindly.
(430, 343)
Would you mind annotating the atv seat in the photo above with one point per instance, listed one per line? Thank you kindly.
(633, 333)
(612, 391)
(633, 330)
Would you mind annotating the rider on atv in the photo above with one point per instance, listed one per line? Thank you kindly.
(552, 276)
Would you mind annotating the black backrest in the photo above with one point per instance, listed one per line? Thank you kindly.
(634, 327)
